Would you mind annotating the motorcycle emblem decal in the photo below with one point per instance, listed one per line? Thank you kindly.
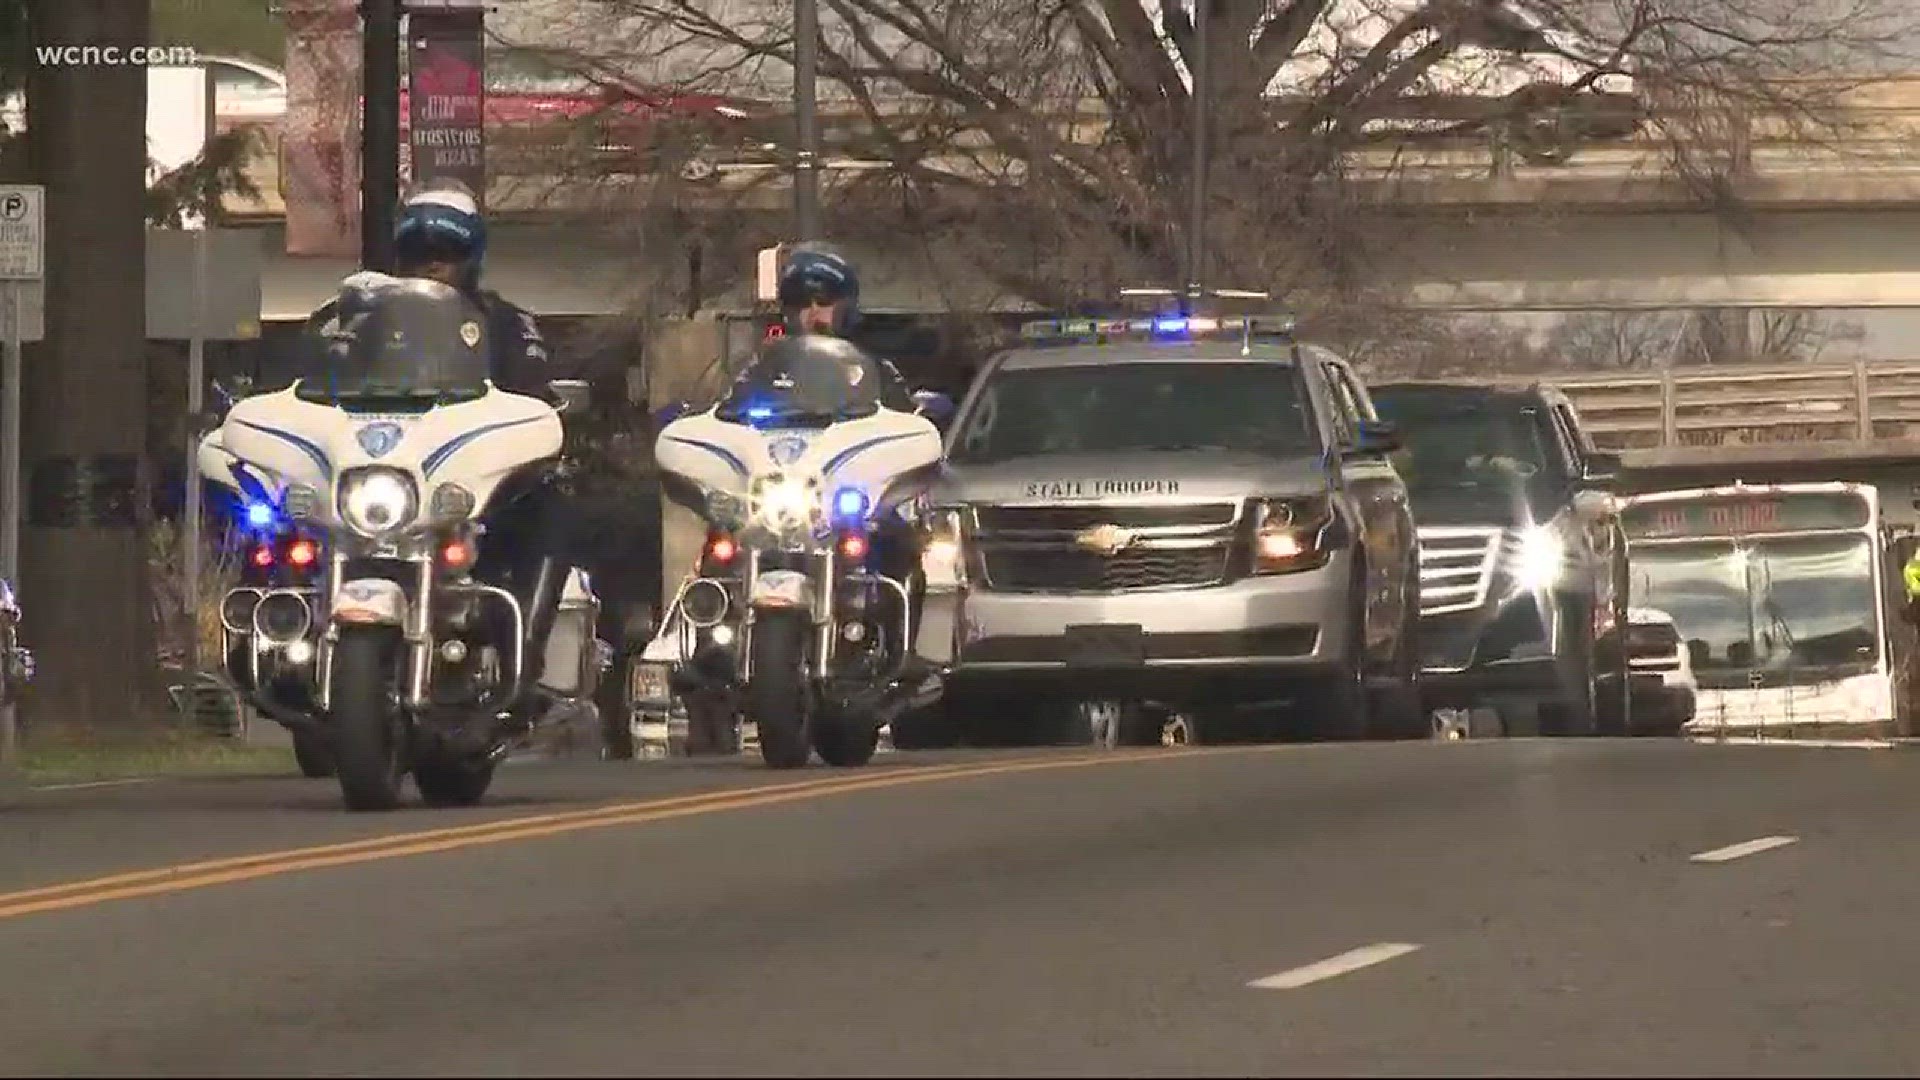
(380, 438)
(1105, 539)
(359, 590)
(787, 450)
(470, 333)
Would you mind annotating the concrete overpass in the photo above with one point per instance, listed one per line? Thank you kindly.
(1835, 225)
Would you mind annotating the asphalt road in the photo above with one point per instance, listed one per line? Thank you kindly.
(1519, 908)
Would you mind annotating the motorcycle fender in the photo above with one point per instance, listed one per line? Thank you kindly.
(371, 602)
(782, 589)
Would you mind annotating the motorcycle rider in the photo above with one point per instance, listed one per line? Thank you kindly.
(819, 293)
(440, 235)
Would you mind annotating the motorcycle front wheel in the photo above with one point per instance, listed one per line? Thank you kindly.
(777, 692)
(368, 754)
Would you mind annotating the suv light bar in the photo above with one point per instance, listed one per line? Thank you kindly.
(1160, 328)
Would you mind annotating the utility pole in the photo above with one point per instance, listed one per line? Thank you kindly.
(806, 63)
(379, 131)
(1197, 211)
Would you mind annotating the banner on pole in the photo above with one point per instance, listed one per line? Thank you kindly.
(446, 98)
(320, 137)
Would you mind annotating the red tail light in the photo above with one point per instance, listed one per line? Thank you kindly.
(262, 556)
(456, 554)
(303, 553)
(722, 549)
(853, 546)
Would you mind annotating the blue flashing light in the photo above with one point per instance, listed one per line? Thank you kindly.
(759, 412)
(850, 504)
(1161, 328)
(259, 515)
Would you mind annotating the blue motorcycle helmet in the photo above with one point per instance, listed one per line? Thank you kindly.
(815, 274)
(440, 224)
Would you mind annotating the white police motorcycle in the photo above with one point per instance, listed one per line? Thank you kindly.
(363, 626)
(805, 473)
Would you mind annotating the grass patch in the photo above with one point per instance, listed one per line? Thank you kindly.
(73, 758)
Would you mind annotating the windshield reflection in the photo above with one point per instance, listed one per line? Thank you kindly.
(1704, 587)
(1770, 605)
(1816, 601)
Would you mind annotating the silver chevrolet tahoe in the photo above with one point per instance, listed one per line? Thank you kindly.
(1141, 521)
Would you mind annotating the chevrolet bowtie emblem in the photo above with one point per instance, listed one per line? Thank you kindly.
(1105, 539)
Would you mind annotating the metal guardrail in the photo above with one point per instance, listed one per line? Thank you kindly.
(1812, 404)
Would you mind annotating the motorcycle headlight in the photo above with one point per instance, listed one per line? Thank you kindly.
(451, 502)
(725, 509)
(302, 502)
(781, 503)
(377, 501)
(1540, 559)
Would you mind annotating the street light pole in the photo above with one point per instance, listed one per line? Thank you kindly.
(379, 130)
(806, 63)
(1197, 210)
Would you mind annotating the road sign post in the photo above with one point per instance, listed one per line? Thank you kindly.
(23, 271)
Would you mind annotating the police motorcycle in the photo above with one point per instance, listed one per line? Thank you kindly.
(805, 474)
(377, 635)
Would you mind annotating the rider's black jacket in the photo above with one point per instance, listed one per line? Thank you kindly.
(521, 363)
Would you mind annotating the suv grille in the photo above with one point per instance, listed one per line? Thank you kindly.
(1456, 567)
(1174, 546)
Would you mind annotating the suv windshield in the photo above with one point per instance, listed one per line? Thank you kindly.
(807, 379)
(1184, 405)
(1461, 451)
(403, 341)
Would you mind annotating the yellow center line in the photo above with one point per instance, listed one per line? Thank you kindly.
(200, 875)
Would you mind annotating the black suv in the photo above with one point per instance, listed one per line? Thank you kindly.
(1523, 564)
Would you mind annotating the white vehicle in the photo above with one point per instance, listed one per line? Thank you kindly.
(1663, 689)
(803, 470)
(378, 639)
(1780, 593)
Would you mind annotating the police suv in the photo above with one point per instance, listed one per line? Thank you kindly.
(1157, 527)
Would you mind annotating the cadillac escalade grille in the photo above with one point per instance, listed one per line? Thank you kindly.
(1166, 546)
(1456, 567)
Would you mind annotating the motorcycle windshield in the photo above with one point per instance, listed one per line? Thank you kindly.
(401, 343)
(799, 380)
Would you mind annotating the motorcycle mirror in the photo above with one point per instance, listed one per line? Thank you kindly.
(933, 405)
(575, 394)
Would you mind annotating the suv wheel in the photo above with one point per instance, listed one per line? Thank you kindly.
(1576, 709)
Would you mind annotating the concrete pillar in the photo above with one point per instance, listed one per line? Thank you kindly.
(681, 366)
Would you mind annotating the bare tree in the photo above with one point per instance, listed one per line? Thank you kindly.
(1645, 339)
(1051, 138)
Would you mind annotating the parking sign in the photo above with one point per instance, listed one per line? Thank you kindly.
(22, 231)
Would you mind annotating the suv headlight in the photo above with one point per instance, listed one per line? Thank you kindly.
(1294, 534)
(376, 502)
(942, 556)
(1540, 560)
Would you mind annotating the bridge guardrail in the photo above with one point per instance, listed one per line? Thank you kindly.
(1863, 402)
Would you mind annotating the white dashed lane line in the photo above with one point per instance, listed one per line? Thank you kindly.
(1333, 966)
(1742, 850)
